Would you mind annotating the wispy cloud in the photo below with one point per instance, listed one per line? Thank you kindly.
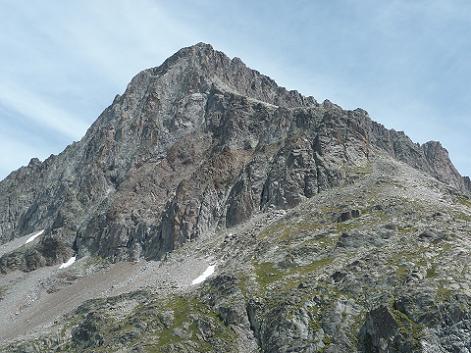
(23, 150)
(42, 112)
(405, 62)
(67, 60)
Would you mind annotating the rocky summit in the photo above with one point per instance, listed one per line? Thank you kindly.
(209, 210)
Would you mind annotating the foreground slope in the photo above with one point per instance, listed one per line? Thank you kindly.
(328, 232)
(376, 266)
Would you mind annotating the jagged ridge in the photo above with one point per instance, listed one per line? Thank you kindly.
(197, 143)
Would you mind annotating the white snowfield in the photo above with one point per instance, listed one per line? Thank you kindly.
(201, 278)
(34, 236)
(68, 263)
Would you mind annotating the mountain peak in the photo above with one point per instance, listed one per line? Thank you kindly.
(199, 67)
(323, 230)
(200, 48)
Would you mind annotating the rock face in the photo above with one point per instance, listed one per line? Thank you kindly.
(329, 233)
(198, 142)
(441, 166)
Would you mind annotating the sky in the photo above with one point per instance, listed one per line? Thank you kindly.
(406, 62)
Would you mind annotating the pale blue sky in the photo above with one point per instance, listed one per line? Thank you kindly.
(406, 62)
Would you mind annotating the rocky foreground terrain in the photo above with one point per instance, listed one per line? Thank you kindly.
(326, 231)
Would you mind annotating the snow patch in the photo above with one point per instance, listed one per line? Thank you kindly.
(201, 278)
(34, 236)
(68, 263)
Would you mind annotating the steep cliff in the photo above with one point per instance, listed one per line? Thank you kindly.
(271, 223)
(197, 143)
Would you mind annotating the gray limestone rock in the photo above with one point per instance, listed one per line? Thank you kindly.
(197, 142)
(331, 232)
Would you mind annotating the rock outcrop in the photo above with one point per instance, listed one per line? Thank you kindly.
(197, 143)
(327, 232)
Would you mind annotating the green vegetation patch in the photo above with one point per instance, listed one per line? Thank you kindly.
(268, 273)
(408, 230)
(443, 293)
(189, 315)
(432, 271)
(286, 231)
(402, 272)
(462, 217)
(152, 324)
(408, 327)
(465, 201)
